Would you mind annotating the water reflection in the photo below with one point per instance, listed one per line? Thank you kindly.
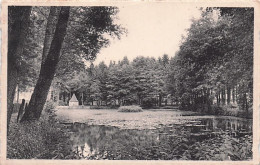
(164, 142)
(220, 124)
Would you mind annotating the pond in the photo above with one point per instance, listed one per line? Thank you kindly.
(195, 138)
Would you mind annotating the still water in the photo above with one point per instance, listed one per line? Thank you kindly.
(164, 142)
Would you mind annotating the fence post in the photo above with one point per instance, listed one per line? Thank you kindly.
(20, 110)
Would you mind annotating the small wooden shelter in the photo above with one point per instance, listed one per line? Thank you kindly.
(73, 101)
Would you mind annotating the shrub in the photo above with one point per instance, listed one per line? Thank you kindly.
(148, 102)
(132, 108)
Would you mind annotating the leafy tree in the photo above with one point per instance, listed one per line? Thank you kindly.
(125, 61)
(30, 59)
(165, 59)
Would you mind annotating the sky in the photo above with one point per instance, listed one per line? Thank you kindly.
(154, 29)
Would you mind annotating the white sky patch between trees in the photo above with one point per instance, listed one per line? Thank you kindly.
(154, 29)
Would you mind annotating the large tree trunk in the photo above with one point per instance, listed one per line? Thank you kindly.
(50, 29)
(18, 25)
(48, 68)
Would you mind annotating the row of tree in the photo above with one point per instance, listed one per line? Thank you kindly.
(141, 81)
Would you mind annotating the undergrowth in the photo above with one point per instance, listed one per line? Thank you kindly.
(42, 139)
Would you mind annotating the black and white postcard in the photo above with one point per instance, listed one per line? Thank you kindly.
(130, 82)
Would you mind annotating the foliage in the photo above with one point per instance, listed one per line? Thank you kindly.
(90, 29)
(221, 148)
(30, 59)
(215, 60)
(42, 139)
(132, 108)
(18, 23)
(148, 102)
(125, 82)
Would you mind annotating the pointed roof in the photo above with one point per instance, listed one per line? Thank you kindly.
(73, 98)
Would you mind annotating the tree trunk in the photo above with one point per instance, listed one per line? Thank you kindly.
(48, 68)
(160, 100)
(223, 96)
(18, 92)
(12, 82)
(50, 29)
(18, 25)
(246, 105)
(233, 95)
(228, 95)
(217, 97)
(82, 99)
(20, 112)
(64, 97)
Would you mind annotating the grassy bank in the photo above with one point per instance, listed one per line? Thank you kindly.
(220, 110)
(42, 139)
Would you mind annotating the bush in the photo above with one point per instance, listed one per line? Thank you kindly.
(148, 102)
(132, 108)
